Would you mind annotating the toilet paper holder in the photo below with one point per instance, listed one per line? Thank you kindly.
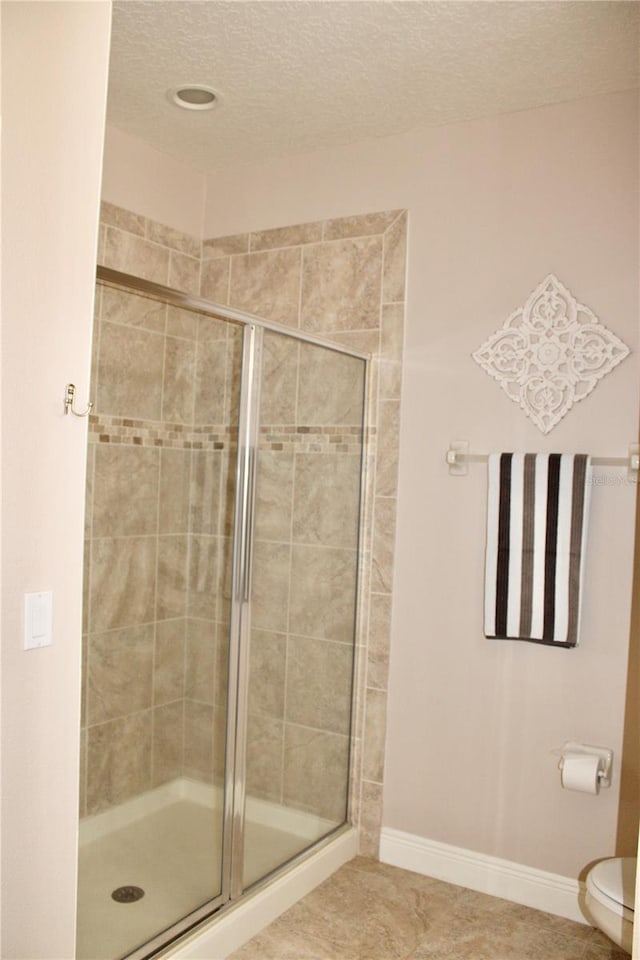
(605, 759)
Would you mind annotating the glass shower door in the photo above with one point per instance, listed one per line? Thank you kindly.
(303, 599)
(160, 505)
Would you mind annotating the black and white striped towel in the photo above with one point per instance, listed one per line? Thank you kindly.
(536, 534)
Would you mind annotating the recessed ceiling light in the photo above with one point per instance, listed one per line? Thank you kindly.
(193, 96)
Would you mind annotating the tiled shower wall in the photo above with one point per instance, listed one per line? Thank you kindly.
(345, 280)
(161, 448)
(304, 579)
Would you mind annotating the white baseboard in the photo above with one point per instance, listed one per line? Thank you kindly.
(477, 871)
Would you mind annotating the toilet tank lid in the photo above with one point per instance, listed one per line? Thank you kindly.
(617, 879)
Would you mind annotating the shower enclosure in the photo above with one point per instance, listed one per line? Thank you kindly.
(225, 465)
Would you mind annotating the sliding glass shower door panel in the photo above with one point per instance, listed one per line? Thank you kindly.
(303, 599)
(160, 509)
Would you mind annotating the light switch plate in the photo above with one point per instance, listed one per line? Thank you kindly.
(38, 617)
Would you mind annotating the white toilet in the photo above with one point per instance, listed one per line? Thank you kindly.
(610, 899)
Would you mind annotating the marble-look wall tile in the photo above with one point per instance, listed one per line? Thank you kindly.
(268, 284)
(123, 580)
(214, 280)
(233, 376)
(395, 257)
(178, 380)
(274, 495)
(315, 777)
(182, 323)
(169, 661)
(279, 381)
(370, 820)
(118, 760)
(331, 387)
(341, 285)
(391, 351)
(383, 543)
(88, 490)
(169, 237)
(375, 728)
(388, 447)
(327, 499)
(225, 246)
(286, 236)
(270, 586)
(210, 381)
(113, 216)
(84, 683)
(265, 739)
(102, 242)
(206, 491)
(131, 254)
(267, 662)
(125, 500)
(168, 742)
(355, 781)
(175, 483)
(378, 652)
(130, 372)
(198, 741)
(171, 593)
(224, 584)
(362, 341)
(203, 577)
(120, 672)
(221, 671)
(86, 586)
(319, 675)
(121, 306)
(82, 792)
(184, 273)
(362, 225)
(212, 329)
(219, 744)
(228, 491)
(200, 662)
(392, 331)
(322, 602)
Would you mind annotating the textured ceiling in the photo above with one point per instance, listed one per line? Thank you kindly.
(301, 75)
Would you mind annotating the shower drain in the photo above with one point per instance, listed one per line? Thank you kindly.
(127, 894)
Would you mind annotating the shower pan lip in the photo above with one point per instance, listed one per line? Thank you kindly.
(204, 918)
(197, 304)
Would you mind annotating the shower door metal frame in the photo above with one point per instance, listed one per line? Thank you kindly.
(240, 627)
(232, 888)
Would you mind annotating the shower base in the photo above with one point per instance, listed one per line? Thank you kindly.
(168, 843)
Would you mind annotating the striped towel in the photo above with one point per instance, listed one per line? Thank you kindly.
(536, 534)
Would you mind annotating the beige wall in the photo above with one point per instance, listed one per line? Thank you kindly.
(494, 206)
(138, 177)
(54, 77)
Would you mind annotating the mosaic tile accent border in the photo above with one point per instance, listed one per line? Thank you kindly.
(124, 430)
(301, 439)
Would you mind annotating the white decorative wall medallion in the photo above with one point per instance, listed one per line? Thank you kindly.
(550, 353)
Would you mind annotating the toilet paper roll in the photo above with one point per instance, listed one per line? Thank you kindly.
(580, 772)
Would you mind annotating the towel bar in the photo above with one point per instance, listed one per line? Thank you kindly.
(459, 458)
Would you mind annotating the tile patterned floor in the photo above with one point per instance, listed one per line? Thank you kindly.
(371, 911)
